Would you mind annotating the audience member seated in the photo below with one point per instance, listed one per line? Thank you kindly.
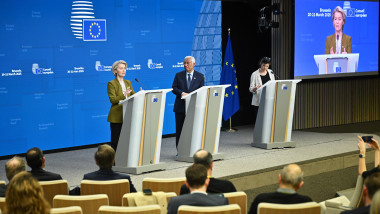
(290, 180)
(24, 195)
(204, 158)
(197, 182)
(371, 185)
(105, 158)
(375, 207)
(362, 149)
(36, 161)
(12, 167)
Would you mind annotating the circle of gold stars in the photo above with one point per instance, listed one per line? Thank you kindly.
(95, 24)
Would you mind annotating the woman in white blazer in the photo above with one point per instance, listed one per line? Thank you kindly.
(259, 78)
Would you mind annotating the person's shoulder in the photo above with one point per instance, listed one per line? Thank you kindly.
(112, 82)
(90, 175)
(227, 185)
(330, 36)
(360, 210)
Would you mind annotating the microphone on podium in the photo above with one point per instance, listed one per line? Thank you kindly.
(137, 80)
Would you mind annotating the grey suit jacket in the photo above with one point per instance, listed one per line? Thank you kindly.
(195, 199)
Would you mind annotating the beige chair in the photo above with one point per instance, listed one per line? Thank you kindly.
(66, 210)
(148, 209)
(137, 199)
(115, 189)
(2, 182)
(301, 208)
(164, 184)
(2, 203)
(225, 209)
(239, 198)
(53, 188)
(341, 203)
(89, 203)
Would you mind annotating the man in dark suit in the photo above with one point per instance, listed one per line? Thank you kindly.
(197, 182)
(184, 82)
(290, 180)
(371, 185)
(12, 167)
(204, 158)
(105, 158)
(36, 161)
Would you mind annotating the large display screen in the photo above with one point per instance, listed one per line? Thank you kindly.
(315, 55)
(56, 58)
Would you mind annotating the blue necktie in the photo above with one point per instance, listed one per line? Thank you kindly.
(188, 81)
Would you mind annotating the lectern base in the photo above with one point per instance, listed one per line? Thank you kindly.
(274, 145)
(140, 169)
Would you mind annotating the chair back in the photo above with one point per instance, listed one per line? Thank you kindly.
(225, 209)
(239, 198)
(2, 203)
(66, 210)
(137, 199)
(89, 203)
(2, 182)
(148, 209)
(301, 208)
(53, 188)
(115, 189)
(164, 184)
(356, 198)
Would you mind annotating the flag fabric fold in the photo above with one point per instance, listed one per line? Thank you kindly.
(228, 76)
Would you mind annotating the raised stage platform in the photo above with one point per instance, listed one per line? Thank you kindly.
(327, 155)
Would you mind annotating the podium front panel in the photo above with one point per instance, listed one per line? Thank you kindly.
(186, 137)
(211, 119)
(123, 144)
(282, 102)
(150, 128)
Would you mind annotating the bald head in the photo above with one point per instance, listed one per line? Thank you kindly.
(14, 166)
(203, 157)
(292, 175)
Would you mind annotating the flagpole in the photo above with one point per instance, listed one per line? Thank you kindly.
(231, 129)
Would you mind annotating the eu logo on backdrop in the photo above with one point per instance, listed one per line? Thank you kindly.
(94, 30)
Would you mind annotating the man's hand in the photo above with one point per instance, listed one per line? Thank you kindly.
(183, 94)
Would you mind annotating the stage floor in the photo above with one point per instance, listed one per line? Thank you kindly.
(239, 157)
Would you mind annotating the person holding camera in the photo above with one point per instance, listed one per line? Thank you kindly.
(371, 142)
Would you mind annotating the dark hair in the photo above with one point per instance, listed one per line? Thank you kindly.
(203, 157)
(34, 157)
(105, 156)
(196, 175)
(373, 184)
(264, 60)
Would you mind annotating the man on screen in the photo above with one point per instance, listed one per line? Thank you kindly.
(338, 43)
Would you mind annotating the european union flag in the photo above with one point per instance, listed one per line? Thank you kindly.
(228, 76)
(94, 30)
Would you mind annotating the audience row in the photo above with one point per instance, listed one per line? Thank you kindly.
(205, 190)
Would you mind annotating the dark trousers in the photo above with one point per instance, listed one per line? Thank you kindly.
(179, 120)
(115, 134)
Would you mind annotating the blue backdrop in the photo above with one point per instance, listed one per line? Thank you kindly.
(313, 23)
(54, 70)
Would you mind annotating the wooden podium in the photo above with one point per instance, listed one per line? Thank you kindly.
(273, 128)
(201, 129)
(139, 144)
